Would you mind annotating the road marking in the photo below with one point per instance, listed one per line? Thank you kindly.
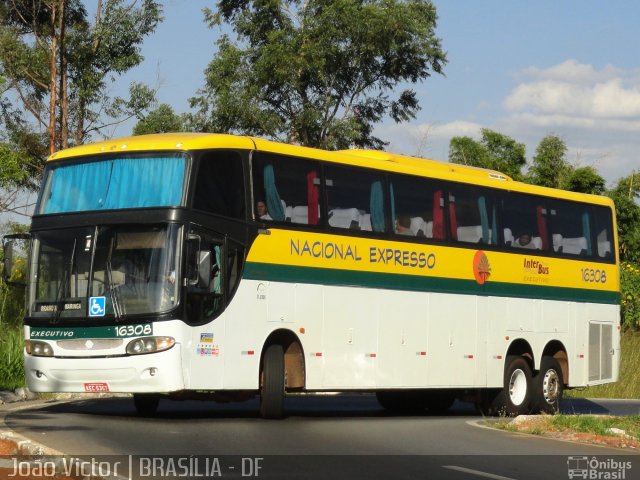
(476, 472)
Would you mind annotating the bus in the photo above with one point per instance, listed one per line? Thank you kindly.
(220, 266)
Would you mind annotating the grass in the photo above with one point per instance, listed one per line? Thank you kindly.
(583, 428)
(11, 363)
(628, 384)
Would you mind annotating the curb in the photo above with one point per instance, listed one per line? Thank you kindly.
(36, 453)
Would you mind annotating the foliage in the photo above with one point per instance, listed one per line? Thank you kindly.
(11, 358)
(314, 72)
(57, 66)
(625, 194)
(584, 180)
(161, 120)
(630, 294)
(494, 151)
(628, 384)
(549, 166)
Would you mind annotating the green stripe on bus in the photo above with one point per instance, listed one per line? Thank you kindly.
(392, 281)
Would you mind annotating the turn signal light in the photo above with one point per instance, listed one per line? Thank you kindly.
(140, 346)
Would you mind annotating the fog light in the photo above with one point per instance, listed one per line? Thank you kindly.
(149, 345)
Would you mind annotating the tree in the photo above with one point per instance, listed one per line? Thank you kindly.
(495, 151)
(161, 120)
(625, 195)
(57, 66)
(585, 180)
(550, 167)
(316, 72)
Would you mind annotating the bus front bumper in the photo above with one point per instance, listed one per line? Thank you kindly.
(151, 373)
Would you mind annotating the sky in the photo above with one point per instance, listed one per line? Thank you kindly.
(522, 68)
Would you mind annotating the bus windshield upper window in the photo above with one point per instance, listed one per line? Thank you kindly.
(115, 183)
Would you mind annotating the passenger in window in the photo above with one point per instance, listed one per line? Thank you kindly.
(403, 225)
(524, 240)
(261, 210)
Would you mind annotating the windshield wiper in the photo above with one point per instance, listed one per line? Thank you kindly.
(118, 308)
(65, 280)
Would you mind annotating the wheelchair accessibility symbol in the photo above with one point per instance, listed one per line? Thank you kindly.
(97, 306)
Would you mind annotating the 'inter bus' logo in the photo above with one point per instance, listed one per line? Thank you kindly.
(481, 267)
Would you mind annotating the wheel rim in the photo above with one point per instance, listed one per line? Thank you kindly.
(518, 387)
(551, 386)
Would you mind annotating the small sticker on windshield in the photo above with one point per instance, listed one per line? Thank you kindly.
(97, 306)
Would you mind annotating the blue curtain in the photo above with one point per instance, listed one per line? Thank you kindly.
(115, 184)
(145, 182)
(376, 201)
(274, 204)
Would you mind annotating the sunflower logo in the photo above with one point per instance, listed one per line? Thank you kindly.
(481, 267)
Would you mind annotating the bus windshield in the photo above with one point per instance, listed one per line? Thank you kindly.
(114, 183)
(129, 271)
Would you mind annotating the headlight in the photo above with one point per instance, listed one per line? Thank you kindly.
(149, 345)
(38, 348)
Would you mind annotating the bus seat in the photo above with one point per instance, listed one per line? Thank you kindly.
(508, 237)
(418, 226)
(604, 245)
(288, 213)
(345, 218)
(365, 222)
(557, 242)
(574, 246)
(471, 234)
(428, 229)
(604, 249)
(300, 214)
(537, 243)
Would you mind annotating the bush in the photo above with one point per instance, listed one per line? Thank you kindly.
(11, 358)
(630, 295)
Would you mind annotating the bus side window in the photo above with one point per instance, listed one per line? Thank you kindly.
(220, 185)
(602, 220)
(472, 215)
(571, 228)
(416, 207)
(524, 222)
(355, 197)
(204, 278)
(286, 189)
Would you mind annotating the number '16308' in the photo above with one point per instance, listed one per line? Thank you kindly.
(592, 275)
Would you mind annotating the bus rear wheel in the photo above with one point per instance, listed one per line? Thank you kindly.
(272, 383)
(548, 386)
(146, 404)
(515, 397)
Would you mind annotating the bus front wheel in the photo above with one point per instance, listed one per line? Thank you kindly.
(548, 386)
(272, 383)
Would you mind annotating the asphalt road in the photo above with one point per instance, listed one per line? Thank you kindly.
(344, 436)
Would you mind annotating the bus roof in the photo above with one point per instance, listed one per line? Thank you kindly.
(364, 158)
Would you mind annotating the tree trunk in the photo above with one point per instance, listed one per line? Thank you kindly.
(53, 82)
(64, 98)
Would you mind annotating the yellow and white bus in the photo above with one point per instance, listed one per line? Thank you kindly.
(188, 264)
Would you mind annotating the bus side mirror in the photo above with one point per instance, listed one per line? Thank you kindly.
(15, 263)
(204, 269)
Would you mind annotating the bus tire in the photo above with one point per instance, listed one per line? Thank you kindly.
(548, 386)
(515, 397)
(146, 404)
(273, 382)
